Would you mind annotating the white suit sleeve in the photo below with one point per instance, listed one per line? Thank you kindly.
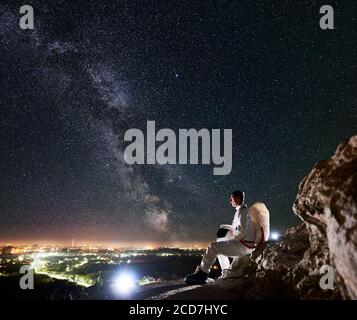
(226, 226)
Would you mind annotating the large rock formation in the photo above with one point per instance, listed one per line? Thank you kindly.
(290, 268)
(327, 202)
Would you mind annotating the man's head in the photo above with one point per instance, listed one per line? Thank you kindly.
(237, 198)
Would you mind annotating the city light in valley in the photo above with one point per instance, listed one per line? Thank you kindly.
(124, 270)
(124, 283)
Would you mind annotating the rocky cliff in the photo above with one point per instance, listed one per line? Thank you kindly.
(291, 267)
(327, 203)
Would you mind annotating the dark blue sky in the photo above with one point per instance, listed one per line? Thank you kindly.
(71, 87)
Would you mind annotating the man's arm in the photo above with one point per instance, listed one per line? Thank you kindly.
(226, 226)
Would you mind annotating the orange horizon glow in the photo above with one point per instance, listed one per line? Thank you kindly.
(106, 244)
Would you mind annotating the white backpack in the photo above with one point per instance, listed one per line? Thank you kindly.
(260, 217)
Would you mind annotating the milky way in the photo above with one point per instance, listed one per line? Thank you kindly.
(71, 87)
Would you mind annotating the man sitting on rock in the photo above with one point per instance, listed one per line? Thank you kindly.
(249, 228)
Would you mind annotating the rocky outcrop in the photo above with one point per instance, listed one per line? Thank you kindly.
(327, 202)
(290, 267)
(295, 262)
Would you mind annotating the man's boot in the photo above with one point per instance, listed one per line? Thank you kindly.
(198, 277)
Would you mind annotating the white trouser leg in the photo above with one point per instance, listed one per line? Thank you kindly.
(230, 248)
(223, 260)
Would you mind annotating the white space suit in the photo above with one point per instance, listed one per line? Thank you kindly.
(240, 240)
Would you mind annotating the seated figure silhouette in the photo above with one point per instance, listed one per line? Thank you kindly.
(249, 229)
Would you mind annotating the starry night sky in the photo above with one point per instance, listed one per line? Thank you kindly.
(70, 88)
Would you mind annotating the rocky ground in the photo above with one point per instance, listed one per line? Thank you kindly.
(290, 267)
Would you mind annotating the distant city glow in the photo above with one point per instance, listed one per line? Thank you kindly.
(52, 245)
(124, 283)
(274, 236)
(78, 264)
